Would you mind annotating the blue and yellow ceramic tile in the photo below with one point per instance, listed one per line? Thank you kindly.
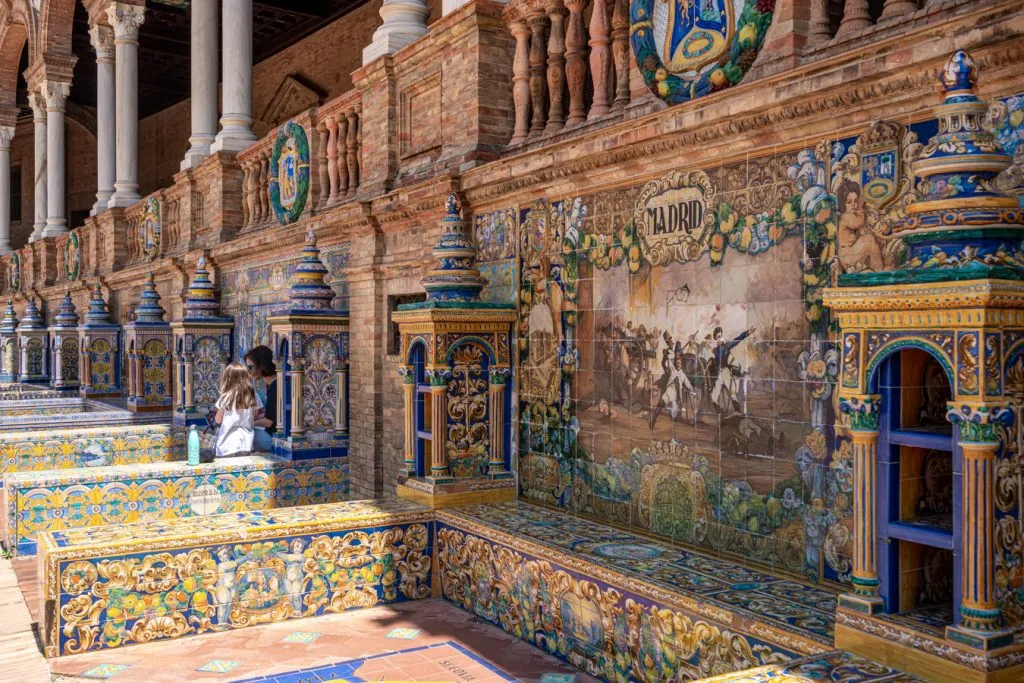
(58, 413)
(86, 447)
(57, 500)
(831, 666)
(511, 563)
(110, 586)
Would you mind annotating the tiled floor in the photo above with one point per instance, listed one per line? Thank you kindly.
(804, 609)
(428, 640)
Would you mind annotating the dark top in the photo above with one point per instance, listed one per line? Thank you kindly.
(270, 410)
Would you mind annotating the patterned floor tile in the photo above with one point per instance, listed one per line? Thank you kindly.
(305, 637)
(105, 670)
(218, 666)
(558, 678)
(403, 633)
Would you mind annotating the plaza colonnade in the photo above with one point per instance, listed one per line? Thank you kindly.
(114, 34)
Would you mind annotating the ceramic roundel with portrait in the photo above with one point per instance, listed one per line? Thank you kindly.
(289, 173)
(686, 49)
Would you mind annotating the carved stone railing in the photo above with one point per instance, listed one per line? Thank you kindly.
(255, 162)
(567, 70)
(833, 22)
(340, 148)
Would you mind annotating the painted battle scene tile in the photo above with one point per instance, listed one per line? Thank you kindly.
(453, 638)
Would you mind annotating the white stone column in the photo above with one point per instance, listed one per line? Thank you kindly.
(449, 6)
(6, 135)
(38, 103)
(126, 20)
(102, 38)
(404, 22)
(56, 97)
(204, 81)
(236, 121)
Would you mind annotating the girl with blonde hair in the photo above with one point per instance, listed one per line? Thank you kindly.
(236, 411)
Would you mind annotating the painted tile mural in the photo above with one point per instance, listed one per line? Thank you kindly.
(676, 365)
(495, 236)
(85, 497)
(250, 294)
(112, 586)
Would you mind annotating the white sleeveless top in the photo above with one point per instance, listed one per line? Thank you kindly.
(236, 430)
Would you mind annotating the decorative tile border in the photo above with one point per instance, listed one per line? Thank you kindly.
(51, 449)
(106, 587)
(58, 500)
(58, 413)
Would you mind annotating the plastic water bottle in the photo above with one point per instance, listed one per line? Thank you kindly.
(193, 446)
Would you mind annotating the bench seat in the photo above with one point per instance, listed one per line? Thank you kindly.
(52, 449)
(58, 500)
(106, 587)
(622, 606)
(60, 413)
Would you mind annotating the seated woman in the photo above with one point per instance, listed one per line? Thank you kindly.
(260, 364)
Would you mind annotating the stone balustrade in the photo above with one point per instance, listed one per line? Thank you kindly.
(831, 23)
(340, 149)
(571, 63)
(255, 162)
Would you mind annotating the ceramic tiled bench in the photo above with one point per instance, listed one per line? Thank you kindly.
(110, 586)
(15, 391)
(620, 606)
(58, 500)
(52, 449)
(59, 413)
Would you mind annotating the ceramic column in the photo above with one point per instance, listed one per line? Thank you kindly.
(189, 398)
(439, 471)
(404, 22)
(979, 619)
(863, 412)
(85, 366)
(6, 135)
(38, 102)
(102, 38)
(279, 362)
(496, 410)
(236, 121)
(179, 386)
(204, 81)
(341, 418)
(126, 20)
(56, 97)
(409, 401)
(132, 369)
(297, 372)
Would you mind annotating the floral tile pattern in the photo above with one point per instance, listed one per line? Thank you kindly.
(105, 670)
(403, 633)
(218, 666)
(304, 637)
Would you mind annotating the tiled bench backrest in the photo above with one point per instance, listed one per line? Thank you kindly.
(53, 449)
(110, 586)
(59, 413)
(57, 500)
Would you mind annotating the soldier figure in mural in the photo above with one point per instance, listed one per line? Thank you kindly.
(726, 376)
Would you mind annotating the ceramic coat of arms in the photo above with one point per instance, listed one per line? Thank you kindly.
(72, 257)
(688, 48)
(149, 229)
(289, 173)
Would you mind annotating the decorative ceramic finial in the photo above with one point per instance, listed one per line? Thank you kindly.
(67, 316)
(32, 319)
(9, 323)
(98, 315)
(960, 73)
(454, 277)
(309, 290)
(149, 311)
(960, 219)
(201, 303)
